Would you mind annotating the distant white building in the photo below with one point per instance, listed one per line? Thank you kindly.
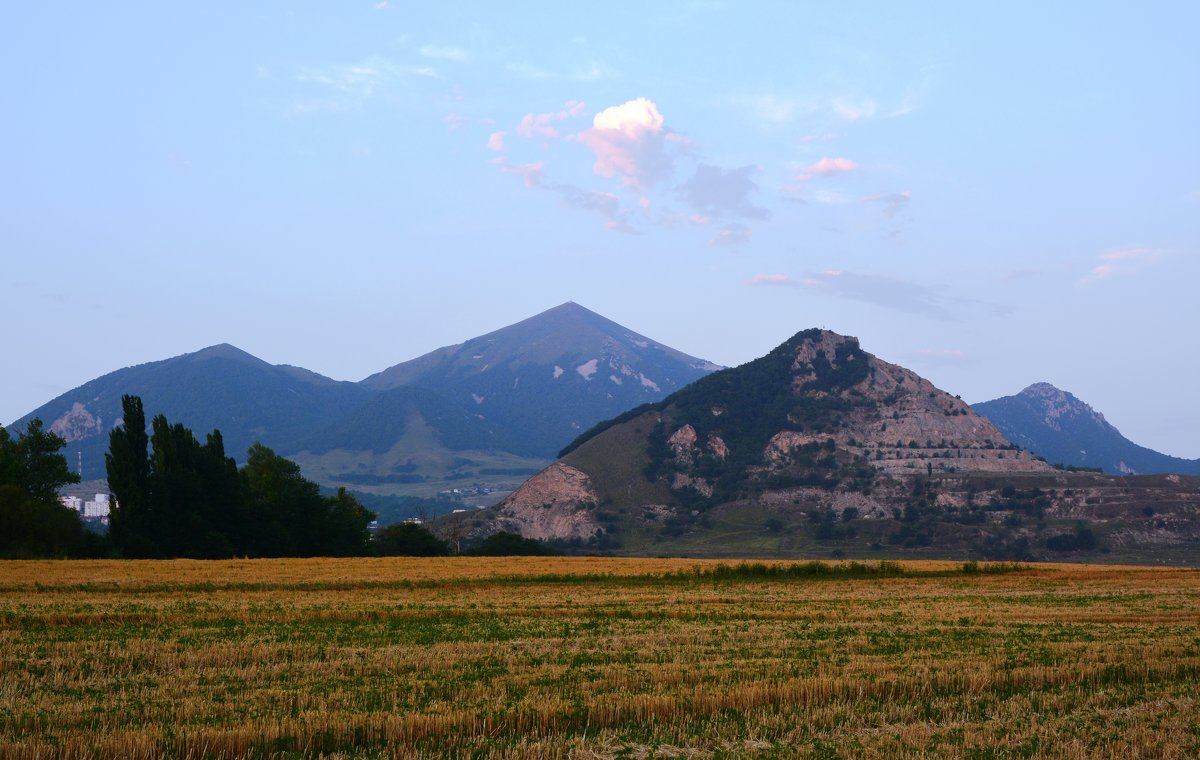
(97, 507)
(73, 503)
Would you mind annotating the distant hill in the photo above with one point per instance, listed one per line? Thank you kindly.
(1065, 430)
(221, 387)
(820, 447)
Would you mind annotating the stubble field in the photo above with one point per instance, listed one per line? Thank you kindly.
(580, 657)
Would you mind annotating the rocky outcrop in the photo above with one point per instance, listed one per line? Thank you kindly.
(554, 503)
(77, 424)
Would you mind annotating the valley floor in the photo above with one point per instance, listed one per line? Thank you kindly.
(596, 658)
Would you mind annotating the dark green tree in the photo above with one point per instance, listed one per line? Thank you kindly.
(290, 515)
(32, 521)
(409, 540)
(505, 544)
(128, 466)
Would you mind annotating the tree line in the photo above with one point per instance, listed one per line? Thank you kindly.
(174, 496)
(177, 497)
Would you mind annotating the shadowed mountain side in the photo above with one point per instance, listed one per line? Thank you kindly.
(1062, 429)
(542, 381)
(221, 387)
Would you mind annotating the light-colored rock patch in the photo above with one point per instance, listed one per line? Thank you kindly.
(588, 368)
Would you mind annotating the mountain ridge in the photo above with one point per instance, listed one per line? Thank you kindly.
(1066, 430)
(454, 418)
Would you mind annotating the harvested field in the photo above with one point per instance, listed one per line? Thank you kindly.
(583, 657)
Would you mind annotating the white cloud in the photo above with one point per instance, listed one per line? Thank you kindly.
(629, 142)
(496, 141)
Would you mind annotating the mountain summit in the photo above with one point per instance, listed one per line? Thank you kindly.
(540, 382)
(1065, 430)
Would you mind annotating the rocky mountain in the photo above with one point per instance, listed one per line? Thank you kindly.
(818, 446)
(1065, 430)
(221, 387)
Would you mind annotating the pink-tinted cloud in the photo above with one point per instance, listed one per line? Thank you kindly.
(629, 142)
(826, 167)
(454, 120)
(531, 173)
(542, 124)
(772, 279)
(1121, 261)
(496, 141)
(817, 137)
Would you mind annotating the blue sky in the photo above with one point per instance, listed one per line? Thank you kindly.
(991, 196)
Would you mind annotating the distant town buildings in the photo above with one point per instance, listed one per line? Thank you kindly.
(93, 509)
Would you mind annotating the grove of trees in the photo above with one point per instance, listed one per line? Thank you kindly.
(177, 497)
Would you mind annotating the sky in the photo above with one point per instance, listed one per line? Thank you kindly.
(990, 194)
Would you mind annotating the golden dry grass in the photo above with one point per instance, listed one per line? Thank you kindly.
(582, 657)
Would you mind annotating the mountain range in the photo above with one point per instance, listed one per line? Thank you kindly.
(481, 414)
(821, 446)
(1066, 431)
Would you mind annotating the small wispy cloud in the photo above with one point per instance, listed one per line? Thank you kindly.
(855, 110)
(444, 53)
(731, 235)
(879, 290)
(496, 141)
(542, 124)
(454, 120)
(363, 80)
(773, 279)
(531, 172)
(1121, 261)
(893, 203)
(826, 167)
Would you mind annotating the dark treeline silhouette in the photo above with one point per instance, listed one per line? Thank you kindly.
(32, 521)
(177, 497)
